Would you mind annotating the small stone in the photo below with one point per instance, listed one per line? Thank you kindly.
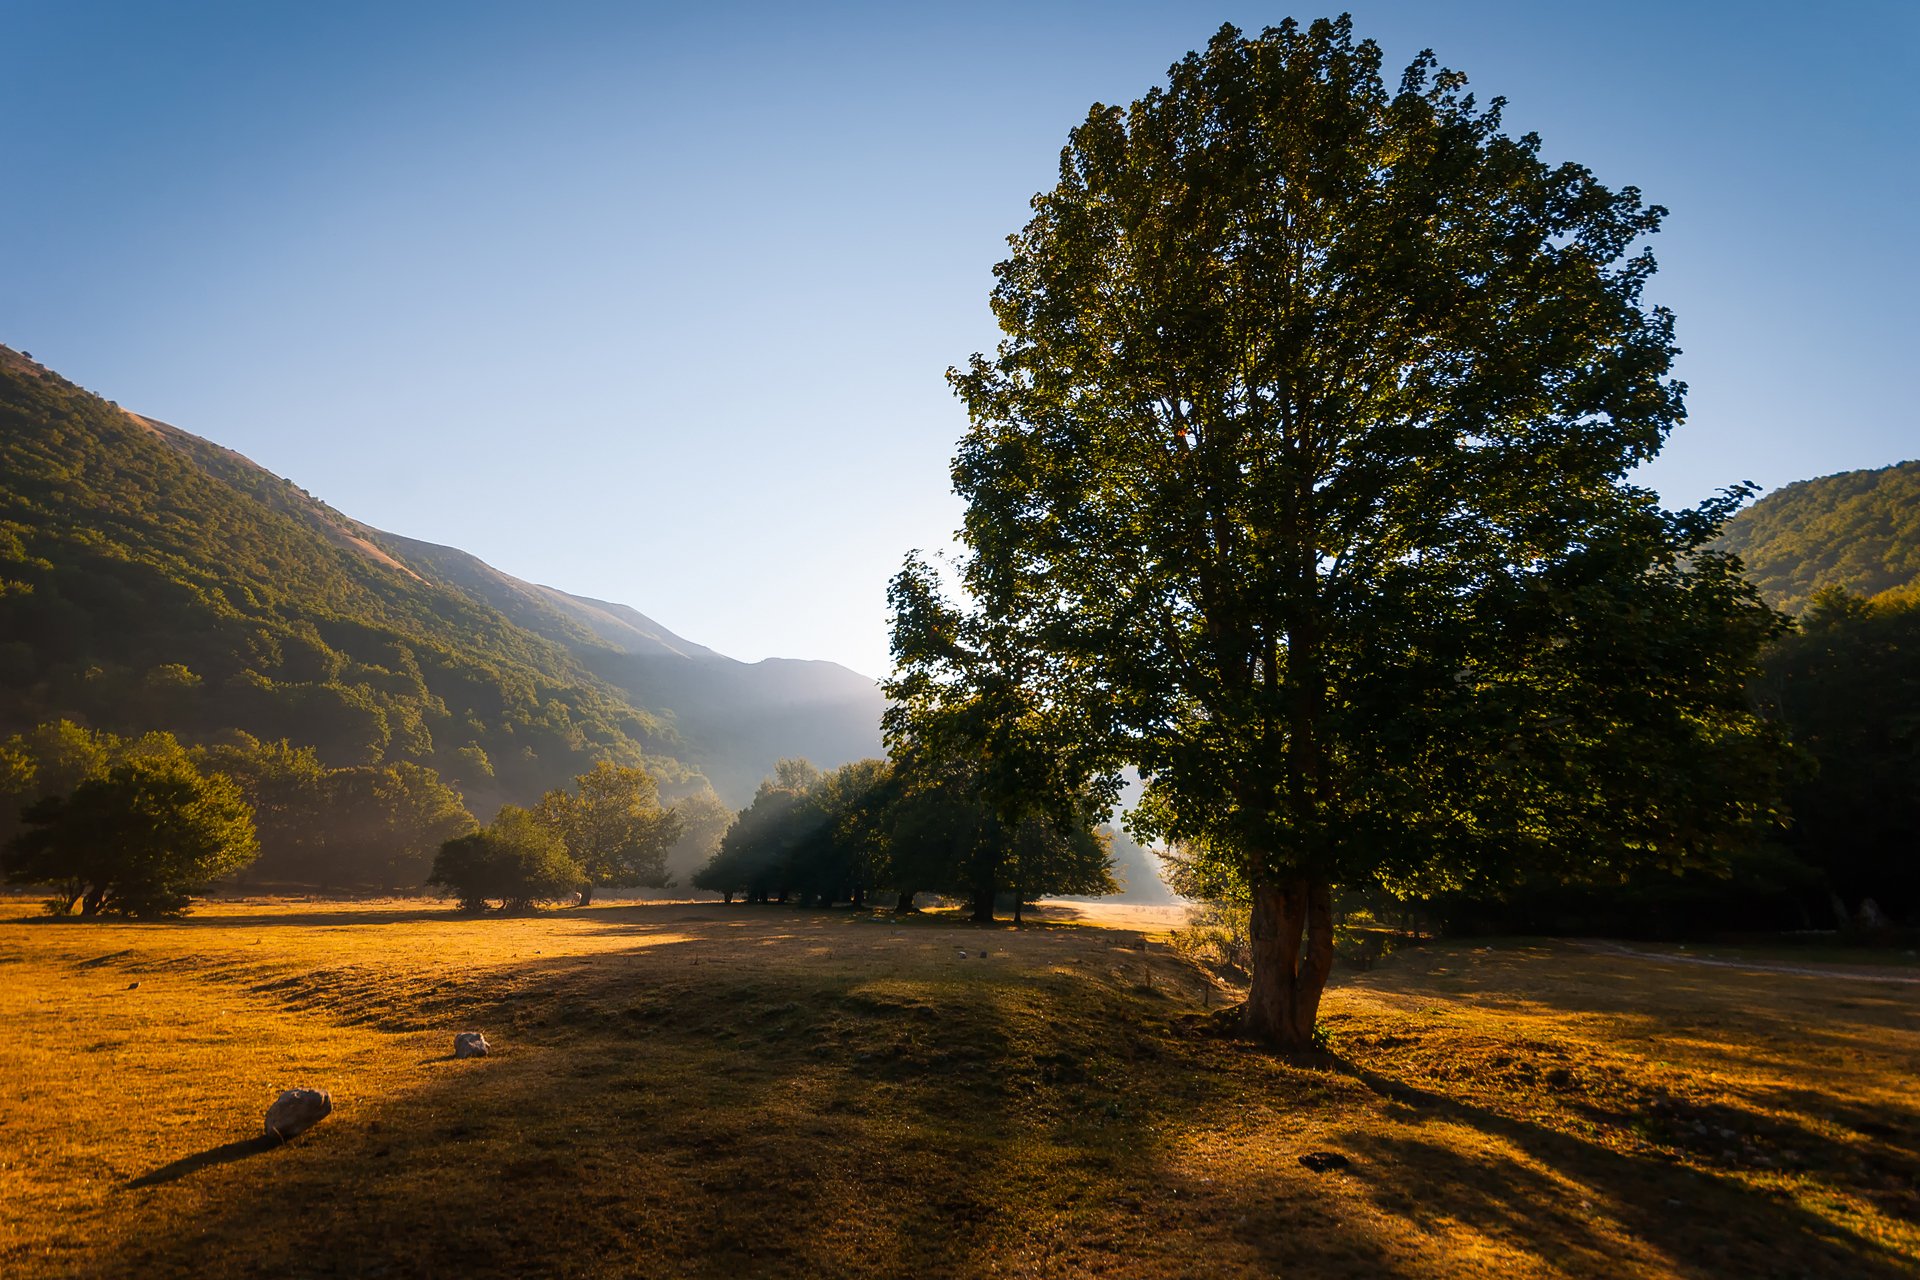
(1323, 1161)
(470, 1044)
(296, 1111)
(132, 985)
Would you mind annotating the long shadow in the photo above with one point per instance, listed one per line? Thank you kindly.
(225, 1153)
(1671, 1222)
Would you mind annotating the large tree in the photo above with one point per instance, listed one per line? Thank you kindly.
(517, 859)
(1304, 455)
(614, 826)
(137, 840)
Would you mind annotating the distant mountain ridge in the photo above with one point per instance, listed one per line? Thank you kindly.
(567, 619)
(150, 578)
(736, 718)
(1857, 530)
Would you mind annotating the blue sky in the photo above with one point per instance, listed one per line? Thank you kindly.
(653, 302)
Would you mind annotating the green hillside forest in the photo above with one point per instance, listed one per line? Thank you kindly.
(149, 579)
(1858, 531)
(153, 581)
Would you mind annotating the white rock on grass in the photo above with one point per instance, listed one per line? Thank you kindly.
(296, 1111)
(470, 1044)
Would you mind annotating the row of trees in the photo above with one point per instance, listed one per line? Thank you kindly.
(914, 824)
(609, 830)
(132, 826)
(359, 827)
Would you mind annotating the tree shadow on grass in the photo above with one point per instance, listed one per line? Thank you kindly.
(1702, 1222)
(225, 1153)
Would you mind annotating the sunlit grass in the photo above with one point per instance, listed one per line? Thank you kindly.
(703, 1090)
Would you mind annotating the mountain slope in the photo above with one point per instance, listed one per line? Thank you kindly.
(150, 578)
(1859, 530)
(573, 621)
(734, 719)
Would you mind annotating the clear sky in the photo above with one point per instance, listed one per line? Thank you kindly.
(653, 302)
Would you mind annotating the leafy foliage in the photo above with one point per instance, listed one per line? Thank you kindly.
(517, 861)
(986, 748)
(136, 841)
(900, 826)
(1302, 458)
(365, 826)
(704, 820)
(1846, 684)
(759, 856)
(613, 825)
(1858, 531)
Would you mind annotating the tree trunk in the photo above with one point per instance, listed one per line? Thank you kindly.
(905, 905)
(1292, 930)
(586, 894)
(983, 893)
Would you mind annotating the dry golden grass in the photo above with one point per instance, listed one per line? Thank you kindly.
(701, 1090)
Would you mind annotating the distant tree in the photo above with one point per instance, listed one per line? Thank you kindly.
(1301, 462)
(937, 826)
(136, 841)
(756, 854)
(845, 833)
(614, 826)
(971, 714)
(1068, 853)
(704, 819)
(385, 822)
(286, 787)
(516, 861)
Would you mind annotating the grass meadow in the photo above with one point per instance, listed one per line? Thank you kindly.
(702, 1090)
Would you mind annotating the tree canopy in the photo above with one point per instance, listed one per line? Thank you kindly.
(136, 841)
(1302, 458)
(516, 860)
(614, 826)
(995, 767)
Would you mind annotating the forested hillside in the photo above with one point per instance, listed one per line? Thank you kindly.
(150, 579)
(1858, 530)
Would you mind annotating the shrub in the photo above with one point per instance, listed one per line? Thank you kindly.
(1218, 937)
(516, 861)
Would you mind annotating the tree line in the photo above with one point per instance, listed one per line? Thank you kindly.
(902, 827)
(133, 826)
